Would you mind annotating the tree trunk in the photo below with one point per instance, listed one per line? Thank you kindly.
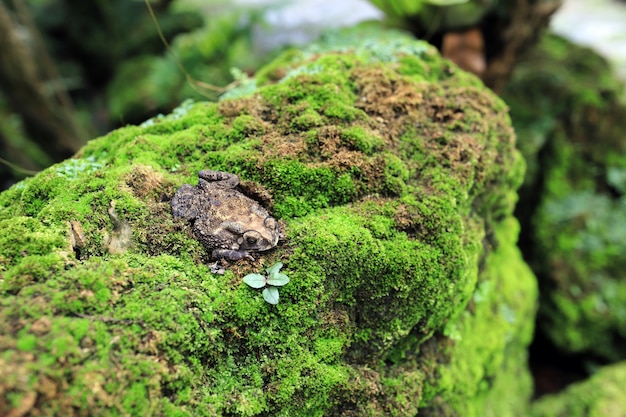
(48, 121)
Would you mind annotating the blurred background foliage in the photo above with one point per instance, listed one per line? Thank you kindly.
(73, 70)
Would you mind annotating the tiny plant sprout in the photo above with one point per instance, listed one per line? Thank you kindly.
(273, 279)
(270, 294)
(255, 280)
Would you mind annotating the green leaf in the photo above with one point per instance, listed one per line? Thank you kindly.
(274, 269)
(278, 279)
(270, 294)
(255, 280)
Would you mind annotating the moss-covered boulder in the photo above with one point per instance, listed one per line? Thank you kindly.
(602, 395)
(566, 108)
(394, 174)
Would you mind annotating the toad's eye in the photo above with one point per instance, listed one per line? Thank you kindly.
(251, 238)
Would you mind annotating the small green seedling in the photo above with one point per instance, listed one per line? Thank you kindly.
(273, 279)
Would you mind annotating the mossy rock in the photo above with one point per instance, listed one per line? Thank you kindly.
(394, 174)
(602, 395)
(565, 103)
(485, 372)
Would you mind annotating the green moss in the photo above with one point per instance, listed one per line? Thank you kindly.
(307, 120)
(389, 187)
(397, 262)
(485, 371)
(602, 395)
(25, 236)
(362, 140)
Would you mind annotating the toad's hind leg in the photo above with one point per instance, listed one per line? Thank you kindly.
(217, 179)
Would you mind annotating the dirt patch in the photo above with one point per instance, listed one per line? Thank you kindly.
(449, 124)
(387, 98)
(144, 182)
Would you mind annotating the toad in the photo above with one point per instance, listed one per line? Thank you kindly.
(226, 222)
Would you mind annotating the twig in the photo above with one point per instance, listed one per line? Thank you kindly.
(195, 84)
